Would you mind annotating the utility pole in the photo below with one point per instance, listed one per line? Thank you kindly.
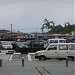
(37, 33)
(11, 31)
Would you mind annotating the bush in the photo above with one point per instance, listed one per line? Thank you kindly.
(28, 50)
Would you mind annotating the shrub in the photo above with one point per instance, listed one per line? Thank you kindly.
(28, 50)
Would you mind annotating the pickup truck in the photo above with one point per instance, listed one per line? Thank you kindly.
(57, 51)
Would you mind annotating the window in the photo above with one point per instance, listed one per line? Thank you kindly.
(72, 47)
(52, 47)
(63, 47)
(41, 42)
(62, 41)
(53, 41)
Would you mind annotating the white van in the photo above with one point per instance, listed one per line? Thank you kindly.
(58, 51)
(55, 40)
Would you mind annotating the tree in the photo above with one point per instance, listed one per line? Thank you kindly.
(68, 28)
(47, 25)
(57, 29)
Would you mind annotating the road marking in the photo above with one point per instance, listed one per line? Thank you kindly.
(10, 57)
(29, 57)
(16, 53)
(2, 53)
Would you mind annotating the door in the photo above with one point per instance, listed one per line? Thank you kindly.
(72, 50)
(63, 51)
(51, 51)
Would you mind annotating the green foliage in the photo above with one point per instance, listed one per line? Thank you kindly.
(47, 25)
(69, 28)
(57, 29)
(28, 50)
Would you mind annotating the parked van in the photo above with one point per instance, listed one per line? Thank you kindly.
(56, 40)
(58, 51)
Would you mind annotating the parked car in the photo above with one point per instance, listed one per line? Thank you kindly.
(18, 45)
(26, 43)
(57, 51)
(6, 45)
(0, 45)
(37, 43)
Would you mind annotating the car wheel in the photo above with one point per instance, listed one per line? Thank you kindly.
(71, 58)
(42, 58)
(60, 59)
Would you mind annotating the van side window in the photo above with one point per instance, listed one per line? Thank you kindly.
(62, 41)
(52, 47)
(72, 47)
(63, 47)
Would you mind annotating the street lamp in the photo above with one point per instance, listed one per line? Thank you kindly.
(11, 31)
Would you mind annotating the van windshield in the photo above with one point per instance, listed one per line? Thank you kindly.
(54, 41)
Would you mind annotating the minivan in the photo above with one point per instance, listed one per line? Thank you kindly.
(57, 51)
(55, 40)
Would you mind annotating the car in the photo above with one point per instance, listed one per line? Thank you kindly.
(57, 51)
(18, 45)
(0, 45)
(36, 43)
(26, 43)
(6, 45)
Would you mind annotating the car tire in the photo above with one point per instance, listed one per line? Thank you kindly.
(42, 58)
(71, 58)
(60, 59)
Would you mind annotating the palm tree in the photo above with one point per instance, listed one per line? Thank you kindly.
(52, 25)
(52, 22)
(47, 25)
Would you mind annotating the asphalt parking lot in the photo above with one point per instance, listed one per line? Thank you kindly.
(27, 57)
(12, 65)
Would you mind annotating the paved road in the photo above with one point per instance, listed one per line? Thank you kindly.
(4, 57)
(35, 67)
(29, 57)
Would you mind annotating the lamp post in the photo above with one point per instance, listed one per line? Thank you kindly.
(11, 31)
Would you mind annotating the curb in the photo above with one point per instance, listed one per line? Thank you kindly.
(15, 53)
(10, 53)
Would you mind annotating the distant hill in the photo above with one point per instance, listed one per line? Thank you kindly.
(2, 31)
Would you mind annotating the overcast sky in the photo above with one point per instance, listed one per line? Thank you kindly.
(28, 15)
